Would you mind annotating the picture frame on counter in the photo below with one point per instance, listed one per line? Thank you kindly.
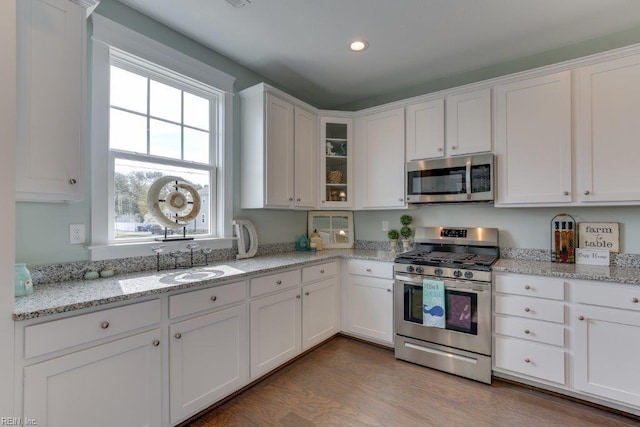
(593, 256)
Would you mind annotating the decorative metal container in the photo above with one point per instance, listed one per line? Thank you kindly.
(564, 234)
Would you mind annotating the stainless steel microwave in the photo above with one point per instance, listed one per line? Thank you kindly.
(450, 180)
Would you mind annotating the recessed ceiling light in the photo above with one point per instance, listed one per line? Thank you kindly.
(359, 45)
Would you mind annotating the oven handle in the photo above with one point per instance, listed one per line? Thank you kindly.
(468, 177)
(448, 284)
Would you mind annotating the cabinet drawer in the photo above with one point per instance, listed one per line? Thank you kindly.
(608, 295)
(532, 330)
(530, 359)
(274, 282)
(380, 269)
(59, 334)
(192, 302)
(533, 308)
(317, 272)
(532, 286)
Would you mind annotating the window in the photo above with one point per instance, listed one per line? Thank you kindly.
(155, 113)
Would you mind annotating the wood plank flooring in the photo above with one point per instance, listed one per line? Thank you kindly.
(350, 383)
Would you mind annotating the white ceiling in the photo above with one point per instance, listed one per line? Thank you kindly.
(302, 44)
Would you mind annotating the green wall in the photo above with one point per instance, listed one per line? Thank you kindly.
(42, 229)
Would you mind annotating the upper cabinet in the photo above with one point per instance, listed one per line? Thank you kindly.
(533, 140)
(278, 151)
(457, 125)
(51, 100)
(380, 160)
(336, 162)
(608, 126)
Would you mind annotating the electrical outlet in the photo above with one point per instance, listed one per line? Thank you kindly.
(76, 234)
(385, 225)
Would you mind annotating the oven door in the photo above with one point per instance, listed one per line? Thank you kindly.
(467, 313)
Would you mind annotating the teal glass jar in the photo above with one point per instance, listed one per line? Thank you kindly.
(23, 283)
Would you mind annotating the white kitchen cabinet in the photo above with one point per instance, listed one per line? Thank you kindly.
(606, 341)
(608, 125)
(320, 303)
(369, 309)
(336, 163)
(425, 130)
(529, 328)
(276, 331)
(209, 359)
(468, 123)
(380, 160)
(112, 384)
(533, 141)
(278, 152)
(51, 100)
(459, 124)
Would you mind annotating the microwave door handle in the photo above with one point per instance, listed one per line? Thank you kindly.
(468, 177)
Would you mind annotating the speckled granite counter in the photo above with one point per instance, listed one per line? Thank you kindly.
(75, 295)
(628, 275)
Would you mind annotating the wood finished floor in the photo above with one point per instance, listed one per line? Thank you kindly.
(350, 383)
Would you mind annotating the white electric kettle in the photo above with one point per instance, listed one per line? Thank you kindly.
(242, 226)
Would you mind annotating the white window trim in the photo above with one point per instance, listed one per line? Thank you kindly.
(106, 34)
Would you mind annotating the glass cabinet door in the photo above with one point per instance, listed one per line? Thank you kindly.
(336, 145)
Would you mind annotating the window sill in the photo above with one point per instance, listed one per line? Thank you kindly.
(129, 249)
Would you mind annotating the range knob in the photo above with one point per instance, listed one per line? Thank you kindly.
(419, 270)
(457, 273)
(437, 272)
(410, 269)
(468, 274)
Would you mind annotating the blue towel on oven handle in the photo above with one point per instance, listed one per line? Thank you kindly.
(433, 308)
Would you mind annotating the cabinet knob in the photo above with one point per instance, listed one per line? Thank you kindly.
(368, 270)
(453, 147)
(307, 293)
(323, 201)
(634, 300)
(527, 287)
(104, 325)
(400, 199)
(298, 296)
(214, 298)
(586, 193)
(156, 343)
(527, 360)
(321, 271)
(73, 181)
(279, 282)
(580, 317)
(298, 199)
(291, 199)
(178, 335)
(566, 193)
(439, 148)
(388, 290)
(526, 331)
(527, 309)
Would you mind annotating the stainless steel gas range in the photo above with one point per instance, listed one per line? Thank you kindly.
(455, 263)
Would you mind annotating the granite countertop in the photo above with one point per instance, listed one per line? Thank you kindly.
(627, 275)
(48, 299)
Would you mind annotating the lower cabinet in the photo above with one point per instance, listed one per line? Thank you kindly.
(276, 330)
(320, 312)
(112, 384)
(209, 359)
(369, 309)
(606, 338)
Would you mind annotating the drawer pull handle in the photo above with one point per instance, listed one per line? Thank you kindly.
(527, 360)
(634, 300)
(368, 270)
(321, 271)
(580, 317)
(73, 181)
(156, 343)
(178, 335)
(214, 298)
(104, 325)
(566, 193)
(307, 293)
(586, 193)
(527, 309)
(526, 331)
(279, 282)
(388, 290)
(527, 287)
(298, 296)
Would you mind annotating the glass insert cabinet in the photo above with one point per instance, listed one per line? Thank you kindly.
(336, 146)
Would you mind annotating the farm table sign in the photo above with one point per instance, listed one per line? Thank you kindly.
(599, 235)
